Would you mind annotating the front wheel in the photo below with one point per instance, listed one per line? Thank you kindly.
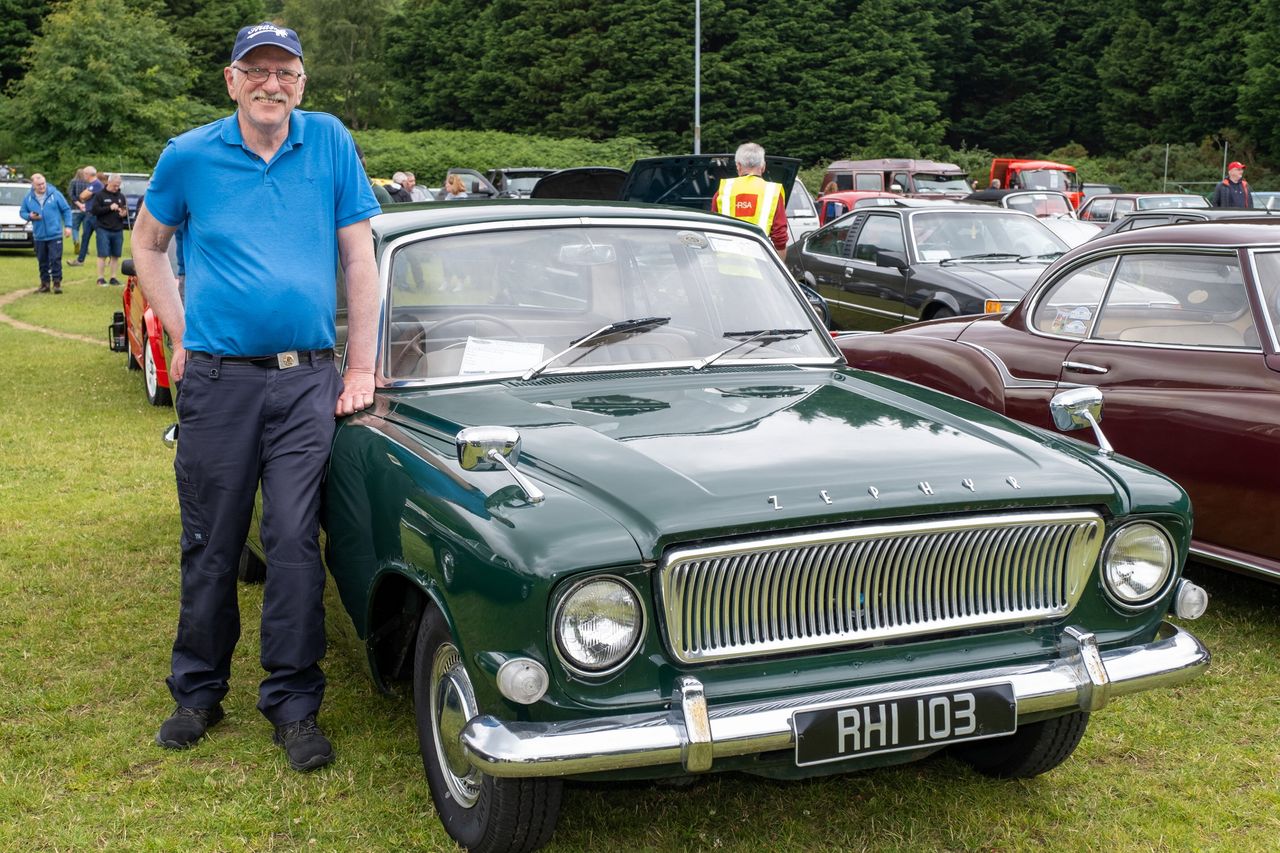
(1033, 749)
(156, 395)
(482, 813)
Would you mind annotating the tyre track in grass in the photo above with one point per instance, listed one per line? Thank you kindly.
(14, 296)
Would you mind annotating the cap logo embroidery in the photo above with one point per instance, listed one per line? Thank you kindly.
(266, 28)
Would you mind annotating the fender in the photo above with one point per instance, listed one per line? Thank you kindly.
(155, 340)
(947, 366)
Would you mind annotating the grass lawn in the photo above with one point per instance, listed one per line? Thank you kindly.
(88, 604)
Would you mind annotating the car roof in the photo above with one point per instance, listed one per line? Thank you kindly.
(426, 216)
(1263, 230)
(1145, 195)
(894, 164)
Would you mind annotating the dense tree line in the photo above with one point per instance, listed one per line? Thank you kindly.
(816, 79)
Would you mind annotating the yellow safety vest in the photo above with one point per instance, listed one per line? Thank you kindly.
(750, 198)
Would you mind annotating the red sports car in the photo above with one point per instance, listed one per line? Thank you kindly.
(1178, 327)
(147, 350)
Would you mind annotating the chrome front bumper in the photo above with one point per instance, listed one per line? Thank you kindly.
(694, 735)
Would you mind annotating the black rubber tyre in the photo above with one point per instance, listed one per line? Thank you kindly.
(1034, 749)
(130, 362)
(156, 395)
(251, 568)
(942, 313)
(482, 813)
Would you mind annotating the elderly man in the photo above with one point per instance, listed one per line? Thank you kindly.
(84, 197)
(416, 192)
(1234, 189)
(753, 199)
(50, 217)
(253, 347)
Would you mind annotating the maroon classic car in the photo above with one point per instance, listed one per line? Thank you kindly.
(1177, 325)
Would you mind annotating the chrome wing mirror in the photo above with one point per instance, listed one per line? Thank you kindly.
(170, 436)
(1080, 408)
(491, 448)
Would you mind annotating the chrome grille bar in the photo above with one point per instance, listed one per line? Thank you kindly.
(784, 594)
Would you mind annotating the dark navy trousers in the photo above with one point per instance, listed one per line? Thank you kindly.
(243, 425)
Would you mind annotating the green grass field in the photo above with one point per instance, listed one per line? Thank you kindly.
(88, 603)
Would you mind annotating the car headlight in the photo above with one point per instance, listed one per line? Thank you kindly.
(598, 625)
(1136, 563)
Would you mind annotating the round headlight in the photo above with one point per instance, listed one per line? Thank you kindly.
(1137, 563)
(598, 625)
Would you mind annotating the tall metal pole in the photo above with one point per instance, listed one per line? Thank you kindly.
(697, 76)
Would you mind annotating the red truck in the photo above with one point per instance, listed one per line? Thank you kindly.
(1037, 175)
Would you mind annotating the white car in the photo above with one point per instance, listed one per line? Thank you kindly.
(802, 213)
(15, 232)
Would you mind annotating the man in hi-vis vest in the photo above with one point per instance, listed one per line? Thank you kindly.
(752, 198)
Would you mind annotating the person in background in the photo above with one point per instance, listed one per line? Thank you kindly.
(77, 185)
(1234, 189)
(50, 217)
(111, 211)
(454, 188)
(253, 343)
(751, 198)
(89, 224)
(416, 192)
(399, 194)
(380, 193)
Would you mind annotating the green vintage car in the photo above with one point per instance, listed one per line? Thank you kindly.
(620, 511)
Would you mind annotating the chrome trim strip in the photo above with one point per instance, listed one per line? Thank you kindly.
(599, 744)
(1006, 376)
(863, 583)
(1233, 563)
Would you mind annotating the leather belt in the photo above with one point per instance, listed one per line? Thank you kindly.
(280, 361)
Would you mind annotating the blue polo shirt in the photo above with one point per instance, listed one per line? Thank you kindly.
(261, 246)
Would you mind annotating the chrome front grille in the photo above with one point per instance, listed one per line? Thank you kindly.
(780, 595)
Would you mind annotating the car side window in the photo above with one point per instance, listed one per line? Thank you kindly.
(1123, 206)
(868, 181)
(833, 240)
(883, 232)
(1267, 265)
(1178, 299)
(1136, 222)
(1099, 210)
(1069, 305)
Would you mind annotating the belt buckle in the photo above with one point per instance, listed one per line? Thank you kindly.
(287, 359)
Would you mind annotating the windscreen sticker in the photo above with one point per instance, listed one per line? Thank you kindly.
(736, 246)
(1072, 321)
(483, 355)
(934, 254)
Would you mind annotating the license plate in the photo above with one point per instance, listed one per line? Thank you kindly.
(12, 235)
(904, 722)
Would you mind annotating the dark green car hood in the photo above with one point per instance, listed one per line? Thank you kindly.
(679, 456)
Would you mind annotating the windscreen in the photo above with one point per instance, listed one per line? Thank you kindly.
(503, 301)
(971, 235)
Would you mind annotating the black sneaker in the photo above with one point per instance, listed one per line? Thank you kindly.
(305, 744)
(115, 281)
(185, 726)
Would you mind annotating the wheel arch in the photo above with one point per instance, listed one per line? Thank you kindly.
(944, 365)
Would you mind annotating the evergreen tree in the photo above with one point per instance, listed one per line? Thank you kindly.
(209, 30)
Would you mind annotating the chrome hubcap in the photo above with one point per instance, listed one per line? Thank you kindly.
(149, 368)
(452, 705)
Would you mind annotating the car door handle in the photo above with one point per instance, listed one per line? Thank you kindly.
(848, 272)
(1083, 367)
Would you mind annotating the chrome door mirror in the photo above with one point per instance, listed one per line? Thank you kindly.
(1077, 409)
(491, 448)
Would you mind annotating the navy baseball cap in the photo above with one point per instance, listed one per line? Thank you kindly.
(265, 33)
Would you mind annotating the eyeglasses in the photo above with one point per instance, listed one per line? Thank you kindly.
(260, 75)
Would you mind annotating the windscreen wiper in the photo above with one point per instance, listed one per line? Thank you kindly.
(760, 336)
(622, 327)
(985, 256)
(1051, 256)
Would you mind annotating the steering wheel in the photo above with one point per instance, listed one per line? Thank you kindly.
(410, 359)
(492, 325)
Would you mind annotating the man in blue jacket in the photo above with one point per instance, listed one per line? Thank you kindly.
(50, 217)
